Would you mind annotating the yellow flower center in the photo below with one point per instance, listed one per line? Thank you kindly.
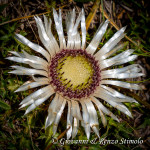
(76, 69)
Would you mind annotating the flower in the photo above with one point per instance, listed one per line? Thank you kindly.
(75, 75)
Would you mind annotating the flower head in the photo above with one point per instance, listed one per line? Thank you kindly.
(76, 74)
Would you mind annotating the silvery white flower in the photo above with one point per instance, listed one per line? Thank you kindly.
(76, 74)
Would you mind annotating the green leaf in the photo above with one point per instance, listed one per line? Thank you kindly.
(5, 37)
(4, 105)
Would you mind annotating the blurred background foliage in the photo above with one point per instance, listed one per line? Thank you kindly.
(19, 132)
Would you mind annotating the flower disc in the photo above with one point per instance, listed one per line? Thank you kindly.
(74, 73)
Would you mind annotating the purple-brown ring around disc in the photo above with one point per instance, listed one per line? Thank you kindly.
(83, 65)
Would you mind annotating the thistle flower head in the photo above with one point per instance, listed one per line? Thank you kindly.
(77, 75)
